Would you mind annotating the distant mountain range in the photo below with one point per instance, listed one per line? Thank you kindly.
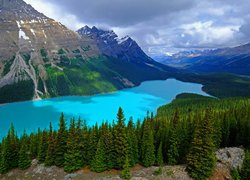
(41, 58)
(232, 60)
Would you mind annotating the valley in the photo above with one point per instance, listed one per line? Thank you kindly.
(181, 115)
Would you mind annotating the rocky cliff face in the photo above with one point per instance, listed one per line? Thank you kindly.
(110, 44)
(30, 40)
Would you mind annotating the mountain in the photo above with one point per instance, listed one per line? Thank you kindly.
(40, 58)
(232, 60)
(108, 42)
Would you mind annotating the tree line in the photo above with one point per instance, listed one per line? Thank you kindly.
(179, 133)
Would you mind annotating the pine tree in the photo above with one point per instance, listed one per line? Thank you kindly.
(126, 174)
(120, 140)
(133, 153)
(61, 143)
(14, 147)
(173, 154)
(4, 164)
(98, 163)
(92, 144)
(159, 156)
(43, 147)
(173, 151)
(148, 154)
(84, 144)
(50, 158)
(24, 161)
(108, 146)
(201, 158)
(73, 158)
(34, 143)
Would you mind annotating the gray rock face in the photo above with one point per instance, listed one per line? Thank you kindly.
(25, 31)
(111, 45)
(233, 157)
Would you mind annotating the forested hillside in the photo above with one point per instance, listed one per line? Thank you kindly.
(189, 130)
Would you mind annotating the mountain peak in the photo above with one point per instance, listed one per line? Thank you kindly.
(111, 45)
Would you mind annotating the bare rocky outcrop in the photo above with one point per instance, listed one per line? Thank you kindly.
(233, 157)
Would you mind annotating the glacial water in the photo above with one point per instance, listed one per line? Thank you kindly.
(135, 102)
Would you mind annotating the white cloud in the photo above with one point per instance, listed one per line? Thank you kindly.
(159, 26)
(52, 11)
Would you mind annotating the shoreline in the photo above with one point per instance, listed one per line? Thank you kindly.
(106, 93)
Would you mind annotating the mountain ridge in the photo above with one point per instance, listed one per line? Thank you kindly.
(40, 58)
(231, 60)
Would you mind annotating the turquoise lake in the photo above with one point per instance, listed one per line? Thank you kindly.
(135, 102)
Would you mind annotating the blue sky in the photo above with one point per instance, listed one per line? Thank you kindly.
(159, 26)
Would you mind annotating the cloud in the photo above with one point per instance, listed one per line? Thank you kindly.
(159, 26)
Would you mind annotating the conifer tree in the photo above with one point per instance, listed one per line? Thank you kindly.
(173, 154)
(148, 154)
(98, 163)
(159, 156)
(50, 158)
(14, 147)
(133, 153)
(126, 174)
(108, 146)
(43, 147)
(24, 161)
(201, 158)
(84, 145)
(73, 158)
(34, 143)
(4, 164)
(92, 144)
(61, 143)
(120, 140)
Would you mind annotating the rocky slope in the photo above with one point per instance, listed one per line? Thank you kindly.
(111, 45)
(40, 57)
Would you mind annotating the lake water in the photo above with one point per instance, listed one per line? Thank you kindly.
(135, 102)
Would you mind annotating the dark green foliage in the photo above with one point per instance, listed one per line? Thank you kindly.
(8, 65)
(50, 156)
(159, 156)
(61, 51)
(201, 158)
(20, 91)
(34, 143)
(92, 144)
(133, 153)
(126, 174)
(24, 161)
(9, 151)
(98, 163)
(120, 140)
(14, 146)
(245, 170)
(173, 154)
(108, 146)
(61, 143)
(26, 57)
(147, 146)
(4, 164)
(43, 147)
(235, 174)
(73, 158)
(219, 84)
